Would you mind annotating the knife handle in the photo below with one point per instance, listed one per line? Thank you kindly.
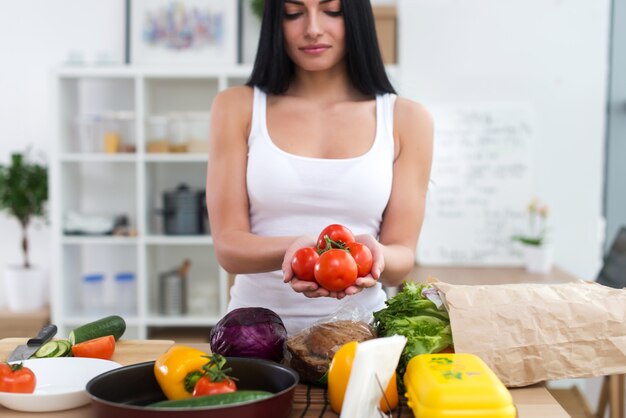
(45, 334)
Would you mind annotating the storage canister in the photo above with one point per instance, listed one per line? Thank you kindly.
(172, 293)
(125, 292)
(158, 134)
(92, 289)
(455, 385)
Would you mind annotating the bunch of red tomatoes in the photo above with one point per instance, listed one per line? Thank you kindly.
(336, 262)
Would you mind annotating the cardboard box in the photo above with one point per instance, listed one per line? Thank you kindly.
(386, 29)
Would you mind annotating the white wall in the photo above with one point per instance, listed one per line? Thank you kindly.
(35, 36)
(551, 56)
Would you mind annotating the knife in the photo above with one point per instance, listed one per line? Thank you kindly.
(23, 352)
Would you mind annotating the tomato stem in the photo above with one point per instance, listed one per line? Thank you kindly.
(330, 244)
(16, 367)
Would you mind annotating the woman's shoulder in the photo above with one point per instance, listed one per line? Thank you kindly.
(233, 106)
(407, 110)
(234, 96)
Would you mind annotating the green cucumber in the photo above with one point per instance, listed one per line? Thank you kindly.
(221, 399)
(60, 348)
(111, 325)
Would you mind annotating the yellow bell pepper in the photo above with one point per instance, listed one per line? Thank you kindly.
(178, 370)
(339, 374)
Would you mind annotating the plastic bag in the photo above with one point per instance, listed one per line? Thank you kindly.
(311, 350)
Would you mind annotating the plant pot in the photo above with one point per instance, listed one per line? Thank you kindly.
(538, 258)
(25, 289)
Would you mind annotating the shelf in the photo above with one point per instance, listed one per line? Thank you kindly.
(98, 158)
(78, 320)
(209, 71)
(183, 320)
(179, 240)
(97, 240)
(176, 158)
(132, 158)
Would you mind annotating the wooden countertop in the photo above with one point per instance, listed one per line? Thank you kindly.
(488, 275)
(309, 402)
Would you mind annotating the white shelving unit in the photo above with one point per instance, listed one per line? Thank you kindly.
(132, 184)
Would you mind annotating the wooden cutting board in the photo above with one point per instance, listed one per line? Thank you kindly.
(126, 351)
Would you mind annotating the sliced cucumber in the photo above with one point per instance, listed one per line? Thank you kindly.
(50, 349)
(111, 325)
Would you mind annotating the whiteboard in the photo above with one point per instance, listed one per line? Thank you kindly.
(481, 183)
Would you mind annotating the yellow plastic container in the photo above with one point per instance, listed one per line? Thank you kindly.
(455, 386)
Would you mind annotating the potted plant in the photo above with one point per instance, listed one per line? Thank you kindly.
(23, 194)
(536, 250)
(257, 7)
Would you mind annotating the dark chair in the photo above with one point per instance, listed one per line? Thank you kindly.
(613, 272)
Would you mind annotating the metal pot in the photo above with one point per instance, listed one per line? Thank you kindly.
(182, 211)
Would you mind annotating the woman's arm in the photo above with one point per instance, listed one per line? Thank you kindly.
(237, 249)
(403, 217)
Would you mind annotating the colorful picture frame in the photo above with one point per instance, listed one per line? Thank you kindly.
(182, 32)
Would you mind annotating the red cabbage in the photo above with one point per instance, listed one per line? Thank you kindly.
(250, 332)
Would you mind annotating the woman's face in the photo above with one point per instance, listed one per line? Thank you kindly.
(314, 33)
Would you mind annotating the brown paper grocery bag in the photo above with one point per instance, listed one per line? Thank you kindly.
(528, 333)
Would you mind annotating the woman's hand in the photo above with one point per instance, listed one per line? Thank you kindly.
(314, 290)
(378, 265)
(308, 289)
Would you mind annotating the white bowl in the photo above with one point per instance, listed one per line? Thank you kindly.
(60, 384)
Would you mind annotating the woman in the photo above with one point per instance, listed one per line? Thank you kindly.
(316, 137)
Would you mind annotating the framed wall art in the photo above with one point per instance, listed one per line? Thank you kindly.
(182, 32)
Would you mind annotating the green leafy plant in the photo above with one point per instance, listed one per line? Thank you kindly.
(23, 193)
(537, 219)
(257, 7)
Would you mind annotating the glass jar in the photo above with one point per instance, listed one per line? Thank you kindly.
(126, 124)
(198, 132)
(178, 129)
(111, 136)
(87, 131)
(157, 134)
(119, 132)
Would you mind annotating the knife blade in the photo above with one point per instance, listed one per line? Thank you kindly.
(23, 352)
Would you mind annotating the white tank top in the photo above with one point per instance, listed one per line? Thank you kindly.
(294, 195)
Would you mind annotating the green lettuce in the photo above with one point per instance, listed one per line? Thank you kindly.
(410, 313)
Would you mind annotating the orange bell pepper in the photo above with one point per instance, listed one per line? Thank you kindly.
(339, 374)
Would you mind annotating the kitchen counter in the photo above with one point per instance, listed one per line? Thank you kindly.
(488, 275)
(309, 402)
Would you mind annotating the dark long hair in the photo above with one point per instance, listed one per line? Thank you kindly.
(273, 69)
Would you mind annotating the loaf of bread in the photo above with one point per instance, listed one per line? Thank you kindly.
(312, 350)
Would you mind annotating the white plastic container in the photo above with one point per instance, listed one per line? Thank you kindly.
(125, 293)
(93, 293)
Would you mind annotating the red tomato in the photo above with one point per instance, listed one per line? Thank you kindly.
(16, 378)
(204, 386)
(102, 347)
(303, 263)
(363, 257)
(335, 270)
(336, 233)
